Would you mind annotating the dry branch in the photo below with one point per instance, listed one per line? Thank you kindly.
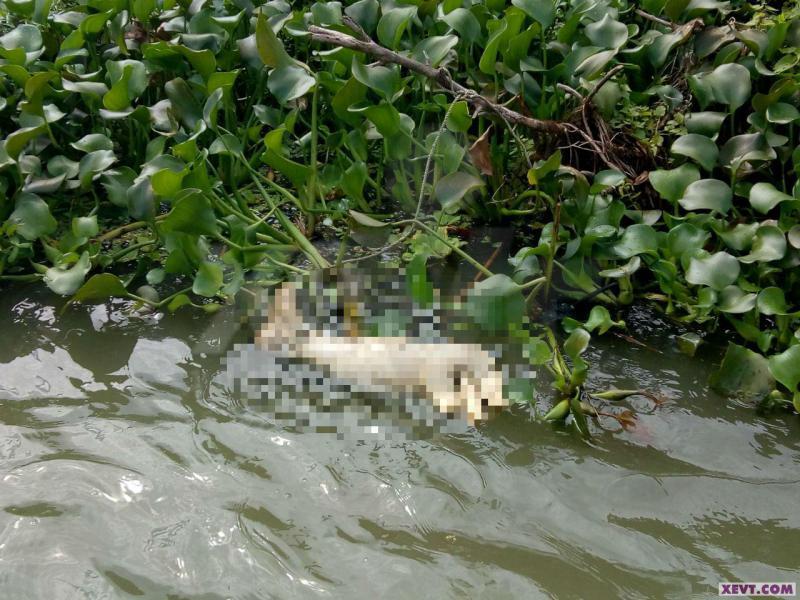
(441, 76)
(630, 158)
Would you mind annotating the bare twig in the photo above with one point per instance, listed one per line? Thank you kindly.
(655, 19)
(441, 76)
(603, 80)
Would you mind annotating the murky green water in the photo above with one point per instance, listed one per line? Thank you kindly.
(129, 471)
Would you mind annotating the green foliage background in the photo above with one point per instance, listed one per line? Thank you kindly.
(194, 143)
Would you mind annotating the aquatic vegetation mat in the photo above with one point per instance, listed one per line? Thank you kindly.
(177, 154)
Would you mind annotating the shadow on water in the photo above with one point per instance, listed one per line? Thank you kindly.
(131, 468)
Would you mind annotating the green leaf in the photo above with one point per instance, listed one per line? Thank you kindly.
(193, 214)
(685, 237)
(607, 33)
(785, 367)
(393, 24)
(771, 301)
(289, 83)
(365, 13)
(733, 300)
(705, 123)
(782, 113)
(85, 227)
(270, 48)
(31, 217)
(459, 120)
(433, 50)
(489, 56)
(67, 281)
(600, 319)
(16, 141)
(625, 270)
(764, 197)
(93, 142)
(495, 302)
(744, 374)
(384, 80)
(708, 194)
(769, 244)
(746, 147)
(697, 147)
(366, 220)
(465, 23)
(559, 412)
(451, 189)
(92, 165)
(637, 239)
(671, 183)
(541, 11)
(730, 84)
(184, 104)
(100, 287)
(717, 271)
(688, 343)
(208, 280)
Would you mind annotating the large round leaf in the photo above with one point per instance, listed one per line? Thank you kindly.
(607, 33)
(697, 147)
(67, 280)
(451, 189)
(708, 194)
(764, 197)
(785, 367)
(671, 183)
(769, 244)
(289, 83)
(32, 217)
(495, 303)
(733, 300)
(637, 239)
(717, 271)
(730, 84)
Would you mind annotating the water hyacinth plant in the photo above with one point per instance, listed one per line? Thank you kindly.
(169, 151)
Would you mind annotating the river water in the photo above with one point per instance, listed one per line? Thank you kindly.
(129, 470)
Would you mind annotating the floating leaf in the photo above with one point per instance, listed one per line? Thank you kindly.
(208, 280)
(708, 194)
(67, 280)
(193, 214)
(730, 84)
(31, 217)
(100, 287)
(733, 300)
(771, 301)
(366, 220)
(671, 183)
(718, 270)
(625, 270)
(785, 367)
(705, 123)
(607, 32)
(782, 113)
(769, 244)
(451, 189)
(465, 23)
(637, 239)
(289, 83)
(744, 374)
(764, 197)
(495, 302)
(697, 147)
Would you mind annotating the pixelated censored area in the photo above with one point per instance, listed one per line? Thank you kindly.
(350, 354)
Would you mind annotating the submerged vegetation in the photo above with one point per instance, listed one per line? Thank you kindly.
(172, 152)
